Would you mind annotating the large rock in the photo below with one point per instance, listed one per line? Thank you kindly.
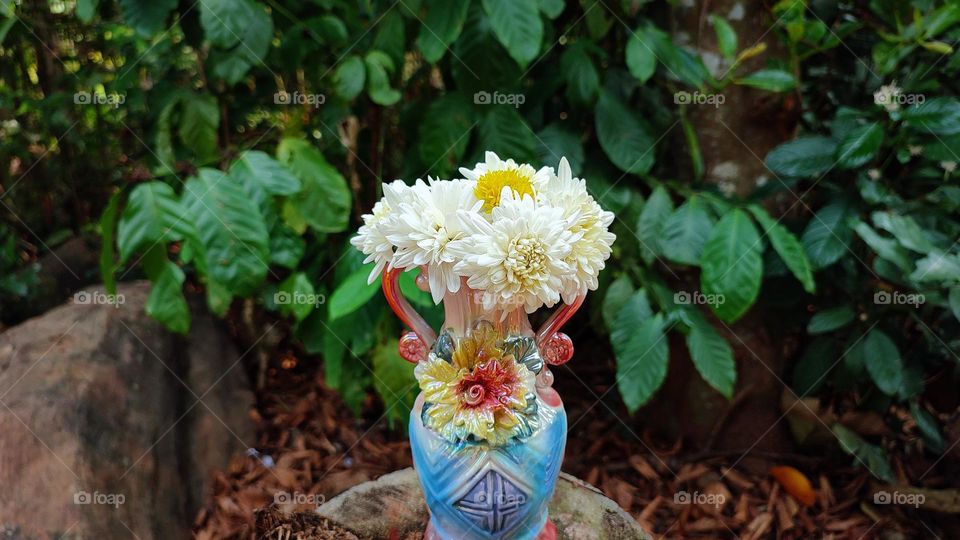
(110, 424)
(393, 507)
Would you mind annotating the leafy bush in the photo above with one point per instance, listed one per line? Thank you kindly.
(253, 134)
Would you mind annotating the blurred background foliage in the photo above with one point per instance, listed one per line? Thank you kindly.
(227, 148)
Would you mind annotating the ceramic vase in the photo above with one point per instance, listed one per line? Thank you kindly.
(487, 431)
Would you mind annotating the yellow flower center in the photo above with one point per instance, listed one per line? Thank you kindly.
(526, 258)
(490, 185)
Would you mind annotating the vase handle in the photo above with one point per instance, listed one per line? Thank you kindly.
(413, 345)
(555, 346)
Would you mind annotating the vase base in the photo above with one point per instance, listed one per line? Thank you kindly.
(549, 532)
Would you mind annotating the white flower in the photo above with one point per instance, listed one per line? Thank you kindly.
(888, 96)
(948, 166)
(518, 257)
(588, 225)
(370, 238)
(425, 225)
(494, 174)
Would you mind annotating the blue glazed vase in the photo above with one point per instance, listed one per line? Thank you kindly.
(488, 430)
(481, 492)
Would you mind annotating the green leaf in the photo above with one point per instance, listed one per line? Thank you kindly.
(883, 361)
(771, 80)
(166, 302)
(680, 64)
(552, 8)
(940, 19)
(939, 115)
(232, 232)
(954, 301)
(650, 224)
(938, 266)
(394, 382)
(286, 246)
(444, 132)
(685, 232)
(859, 146)
(505, 132)
(108, 229)
(885, 248)
(810, 372)
(152, 215)
(803, 157)
(906, 230)
(263, 176)
(353, 293)
(240, 31)
(640, 346)
(623, 136)
(830, 319)
(199, 120)
(726, 37)
(581, 75)
(731, 265)
(927, 425)
(225, 20)
(640, 56)
(324, 201)
(788, 247)
(87, 9)
(219, 298)
(827, 234)
(296, 296)
(557, 142)
(442, 26)
(618, 294)
(713, 358)
(350, 77)
(147, 17)
(379, 66)
(870, 456)
(518, 26)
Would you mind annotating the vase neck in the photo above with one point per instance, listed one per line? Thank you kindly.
(464, 308)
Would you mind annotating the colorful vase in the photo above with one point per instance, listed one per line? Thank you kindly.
(487, 430)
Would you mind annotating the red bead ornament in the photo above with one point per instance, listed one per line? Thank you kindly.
(412, 348)
(558, 350)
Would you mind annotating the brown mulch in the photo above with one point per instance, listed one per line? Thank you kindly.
(311, 448)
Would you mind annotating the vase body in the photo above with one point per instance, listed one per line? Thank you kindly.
(498, 488)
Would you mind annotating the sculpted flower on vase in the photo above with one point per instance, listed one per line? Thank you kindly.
(481, 394)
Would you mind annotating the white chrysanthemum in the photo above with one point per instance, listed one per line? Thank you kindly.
(494, 174)
(370, 238)
(589, 223)
(423, 227)
(518, 257)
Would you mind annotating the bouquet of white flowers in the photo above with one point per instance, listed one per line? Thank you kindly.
(519, 235)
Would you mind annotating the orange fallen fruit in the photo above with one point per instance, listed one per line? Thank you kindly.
(795, 483)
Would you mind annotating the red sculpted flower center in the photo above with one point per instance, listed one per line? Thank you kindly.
(487, 386)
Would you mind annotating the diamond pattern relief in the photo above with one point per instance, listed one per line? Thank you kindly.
(493, 504)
